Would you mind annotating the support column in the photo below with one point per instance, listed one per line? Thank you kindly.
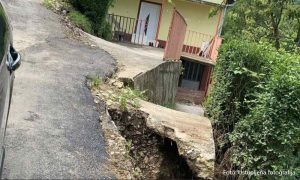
(205, 81)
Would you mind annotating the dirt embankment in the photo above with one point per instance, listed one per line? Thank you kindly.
(136, 150)
(152, 155)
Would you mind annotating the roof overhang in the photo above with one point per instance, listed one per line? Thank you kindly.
(209, 2)
(198, 59)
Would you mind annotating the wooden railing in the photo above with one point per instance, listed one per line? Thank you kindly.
(180, 40)
(127, 29)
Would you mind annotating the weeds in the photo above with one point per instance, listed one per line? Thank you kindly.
(129, 96)
(76, 17)
(95, 81)
(137, 173)
(81, 21)
(48, 3)
(128, 148)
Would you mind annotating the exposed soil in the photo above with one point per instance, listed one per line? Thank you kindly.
(152, 156)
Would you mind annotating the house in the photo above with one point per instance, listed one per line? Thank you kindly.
(148, 22)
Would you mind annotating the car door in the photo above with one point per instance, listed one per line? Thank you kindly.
(5, 76)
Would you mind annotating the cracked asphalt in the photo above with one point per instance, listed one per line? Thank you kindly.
(53, 129)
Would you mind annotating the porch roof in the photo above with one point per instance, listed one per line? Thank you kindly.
(210, 2)
(198, 59)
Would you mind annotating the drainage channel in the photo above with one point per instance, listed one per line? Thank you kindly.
(153, 156)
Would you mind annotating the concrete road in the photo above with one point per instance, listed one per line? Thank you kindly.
(53, 129)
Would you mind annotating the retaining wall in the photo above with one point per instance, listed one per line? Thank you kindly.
(160, 83)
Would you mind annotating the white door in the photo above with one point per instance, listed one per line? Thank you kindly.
(149, 12)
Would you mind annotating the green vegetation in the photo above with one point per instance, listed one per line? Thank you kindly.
(80, 21)
(89, 15)
(95, 81)
(269, 136)
(96, 11)
(241, 69)
(48, 3)
(129, 96)
(254, 106)
(254, 103)
(107, 31)
(273, 21)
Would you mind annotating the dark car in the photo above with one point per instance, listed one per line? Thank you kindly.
(10, 60)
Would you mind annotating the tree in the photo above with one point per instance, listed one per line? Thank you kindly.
(262, 20)
(96, 11)
(294, 14)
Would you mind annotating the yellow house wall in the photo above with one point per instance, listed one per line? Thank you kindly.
(128, 8)
(195, 14)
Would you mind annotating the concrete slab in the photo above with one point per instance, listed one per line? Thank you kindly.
(193, 135)
(190, 108)
(133, 59)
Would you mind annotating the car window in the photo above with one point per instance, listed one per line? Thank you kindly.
(3, 32)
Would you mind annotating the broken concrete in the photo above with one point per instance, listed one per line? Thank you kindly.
(151, 124)
(154, 156)
(193, 135)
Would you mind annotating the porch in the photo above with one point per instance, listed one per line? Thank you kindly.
(148, 22)
(197, 46)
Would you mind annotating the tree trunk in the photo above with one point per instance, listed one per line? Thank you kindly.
(275, 19)
(275, 31)
(297, 40)
(276, 37)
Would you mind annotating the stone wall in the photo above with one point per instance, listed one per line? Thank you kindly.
(160, 83)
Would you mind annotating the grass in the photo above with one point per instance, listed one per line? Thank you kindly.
(48, 3)
(77, 18)
(96, 81)
(81, 21)
(129, 96)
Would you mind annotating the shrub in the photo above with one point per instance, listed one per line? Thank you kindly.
(129, 96)
(96, 11)
(241, 69)
(80, 21)
(107, 32)
(255, 108)
(95, 81)
(268, 137)
(48, 3)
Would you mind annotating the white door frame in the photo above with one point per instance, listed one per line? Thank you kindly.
(153, 21)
